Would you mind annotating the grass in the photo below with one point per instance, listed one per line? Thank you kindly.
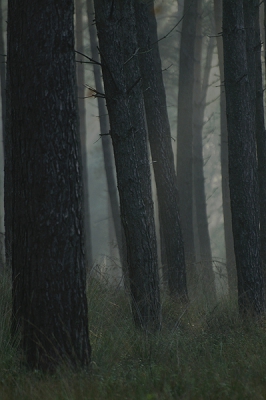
(198, 354)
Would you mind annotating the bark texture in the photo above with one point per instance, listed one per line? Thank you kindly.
(228, 233)
(243, 174)
(43, 162)
(260, 133)
(161, 147)
(115, 23)
(83, 135)
(185, 130)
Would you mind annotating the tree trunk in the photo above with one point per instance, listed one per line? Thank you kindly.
(107, 147)
(260, 137)
(115, 23)
(251, 18)
(2, 137)
(243, 174)
(200, 94)
(228, 233)
(47, 249)
(185, 132)
(161, 147)
(83, 135)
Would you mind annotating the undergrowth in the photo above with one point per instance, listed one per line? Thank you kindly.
(198, 354)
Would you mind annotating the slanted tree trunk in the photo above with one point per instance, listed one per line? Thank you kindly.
(115, 23)
(185, 131)
(47, 249)
(83, 134)
(107, 146)
(200, 94)
(243, 174)
(161, 147)
(228, 233)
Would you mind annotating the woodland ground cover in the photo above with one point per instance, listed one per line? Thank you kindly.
(198, 354)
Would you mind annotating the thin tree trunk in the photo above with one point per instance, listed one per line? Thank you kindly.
(200, 94)
(83, 135)
(228, 233)
(185, 131)
(115, 23)
(243, 174)
(161, 147)
(49, 276)
(107, 147)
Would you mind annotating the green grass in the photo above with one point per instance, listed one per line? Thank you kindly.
(198, 354)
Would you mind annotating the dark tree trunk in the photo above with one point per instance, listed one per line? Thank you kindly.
(252, 12)
(200, 94)
(185, 131)
(115, 23)
(161, 147)
(107, 146)
(228, 233)
(243, 174)
(47, 249)
(83, 135)
(3, 104)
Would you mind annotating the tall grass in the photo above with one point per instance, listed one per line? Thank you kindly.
(198, 354)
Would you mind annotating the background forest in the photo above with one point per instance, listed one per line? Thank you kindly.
(132, 199)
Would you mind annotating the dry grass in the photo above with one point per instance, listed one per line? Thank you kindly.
(198, 354)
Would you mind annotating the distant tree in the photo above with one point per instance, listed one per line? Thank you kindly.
(83, 134)
(43, 163)
(161, 147)
(243, 174)
(116, 28)
(201, 84)
(228, 233)
(185, 131)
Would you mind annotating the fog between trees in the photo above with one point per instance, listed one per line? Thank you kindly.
(47, 162)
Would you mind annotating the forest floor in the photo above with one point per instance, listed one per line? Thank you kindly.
(198, 354)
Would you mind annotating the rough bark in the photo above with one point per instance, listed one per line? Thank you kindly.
(228, 233)
(251, 19)
(185, 130)
(200, 94)
(3, 106)
(83, 135)
(260, 136)
(47, 249)
(243, 174)
(115, 23)
(107, 146)
(161, 147)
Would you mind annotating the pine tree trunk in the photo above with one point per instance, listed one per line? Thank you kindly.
(115, 23)
(161, 147)
(47, 249)
(185, 132)
(107, 147)
(200, 94)
(228, 233)
(2, 138)
(243, 174)
(260, 136)
(83, 135)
